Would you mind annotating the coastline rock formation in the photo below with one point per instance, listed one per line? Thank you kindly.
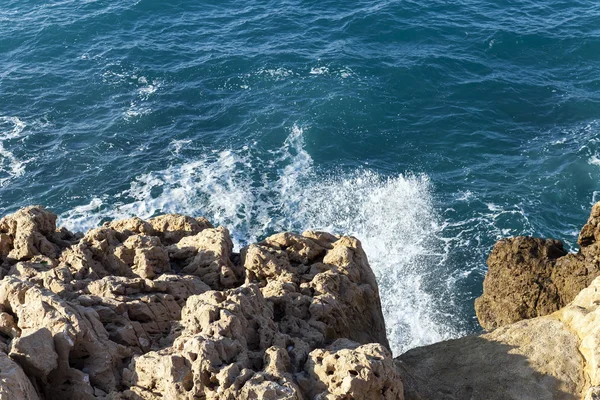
(542, 308)
(550, 357)
(164, 309)
(530, 277)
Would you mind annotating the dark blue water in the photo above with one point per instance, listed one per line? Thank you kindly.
(427, 129)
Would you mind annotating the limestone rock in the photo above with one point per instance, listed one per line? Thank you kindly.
(30, 232)
(171, 228)
(336, 297)
(353, 297)
(146, 257)
(132, 226)
(264, 264)
(14, 384)
(348, 370)
(571, 274)
(208, 255)
(531, 359)
(299, 249)
(590, 233)
(181, 286)
(582, 316)
(323, 239)
(551, 357)
(136, 312)
(163, 308)
(222, 346)
(544, 307)
(593, 393)
(530, 277)
(518, 284)
(231, 348)
(8, 326)
(75, 341)
(255, 341)
(34, 349)
(105, 251)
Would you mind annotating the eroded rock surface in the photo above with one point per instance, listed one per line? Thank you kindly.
(542, 306)
(14, 384)
(345, 370)
(530, 277)
(163, 309)
(552, 357)
(30, 232)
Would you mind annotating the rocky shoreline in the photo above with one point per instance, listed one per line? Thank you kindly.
(164, 309)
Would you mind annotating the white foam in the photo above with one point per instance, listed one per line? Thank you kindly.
(138, 107)
(247, 81)
(178, 145)
(148, 89)
(10, 165)
(346, 73)
(275, 73)
(466, 195)
(594, 160)
(394, 217)
(397, 224)
(141, 88)
(319, 70)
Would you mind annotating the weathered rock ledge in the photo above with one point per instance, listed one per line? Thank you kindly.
(164, 309)
(542, 308)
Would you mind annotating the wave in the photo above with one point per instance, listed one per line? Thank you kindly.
(10, 166)
(393, 216)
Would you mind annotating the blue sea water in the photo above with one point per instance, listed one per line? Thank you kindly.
(427, 129)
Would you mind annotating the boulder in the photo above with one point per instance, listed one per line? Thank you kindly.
(347, 370)
(34, 350)
(551, 357)
(334, 297)
(208, 255)
(62, 347)
(232, 348)
(518, 284)
(530, 277)
(29, 232)
(255, 341)
(171, 228)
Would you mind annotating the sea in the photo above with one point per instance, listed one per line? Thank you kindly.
(427, 129)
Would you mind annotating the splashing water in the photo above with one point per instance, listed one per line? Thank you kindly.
(392, 216)
(10, 166)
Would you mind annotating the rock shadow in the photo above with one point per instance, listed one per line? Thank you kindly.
(477, 368)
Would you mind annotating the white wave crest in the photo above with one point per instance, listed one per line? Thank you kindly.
(392, 216)
(10, 166)
(594, 160)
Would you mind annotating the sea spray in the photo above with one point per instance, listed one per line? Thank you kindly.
(393, 216)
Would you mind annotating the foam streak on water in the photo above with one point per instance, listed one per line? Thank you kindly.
(393, 217)
(10, 166)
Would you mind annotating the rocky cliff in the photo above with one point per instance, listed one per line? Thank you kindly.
(164, 309)
(542, 308)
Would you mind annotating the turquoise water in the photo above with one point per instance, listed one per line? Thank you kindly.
(427, 129)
